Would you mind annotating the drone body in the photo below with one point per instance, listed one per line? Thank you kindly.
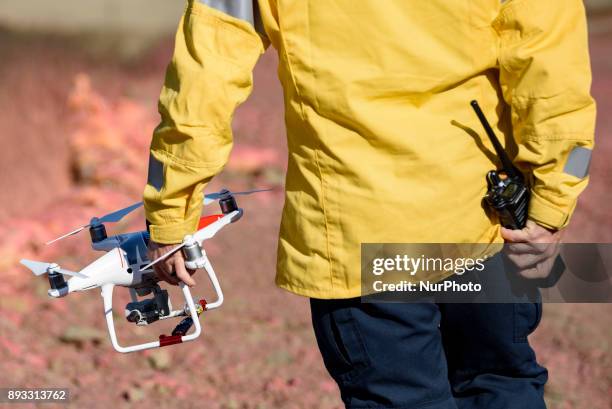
(126, 264)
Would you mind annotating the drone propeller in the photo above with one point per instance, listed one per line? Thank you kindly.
(211, 197)
(40, 268)
(109, 218)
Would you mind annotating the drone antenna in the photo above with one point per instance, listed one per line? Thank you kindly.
(507, 165)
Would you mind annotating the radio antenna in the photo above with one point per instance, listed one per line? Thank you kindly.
(507, 165)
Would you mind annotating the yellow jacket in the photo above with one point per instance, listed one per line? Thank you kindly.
(383, 145)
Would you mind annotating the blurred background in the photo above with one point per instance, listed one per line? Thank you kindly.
(78, 90)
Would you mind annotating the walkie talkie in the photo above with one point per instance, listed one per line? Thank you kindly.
(507, 193)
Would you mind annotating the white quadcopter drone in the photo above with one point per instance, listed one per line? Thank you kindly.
(126, 264)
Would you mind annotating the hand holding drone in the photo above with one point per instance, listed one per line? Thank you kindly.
(126, 264)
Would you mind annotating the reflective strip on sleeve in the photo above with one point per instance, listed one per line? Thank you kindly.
(241, 9)
(578, 162)
(156, 173)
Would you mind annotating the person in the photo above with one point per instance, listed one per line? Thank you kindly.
(384, 148)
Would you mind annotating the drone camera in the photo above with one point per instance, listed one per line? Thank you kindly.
(142, 312)
(147, 311)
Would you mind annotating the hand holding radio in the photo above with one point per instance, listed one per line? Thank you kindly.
(533, 249)
(507, 194)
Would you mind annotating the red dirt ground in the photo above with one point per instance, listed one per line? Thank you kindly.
(75, 130)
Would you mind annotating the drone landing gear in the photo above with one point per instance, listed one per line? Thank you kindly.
(107, 295)
(160, 302)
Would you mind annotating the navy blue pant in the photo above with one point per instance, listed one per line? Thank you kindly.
(427, 355)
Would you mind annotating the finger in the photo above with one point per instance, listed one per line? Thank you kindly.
(169, 278)
(168, 272)
(545, 250)
(181, 272)
(517, 248)
(526, 248)
(541, 270)
(546, 267)
(546, 239)
(540, 234)
(529, 273)
(161, 274)
(515, 236)
(525, 261)
(552, 250)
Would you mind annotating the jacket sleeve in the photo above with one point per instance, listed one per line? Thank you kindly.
(545, 77)
(209, 75)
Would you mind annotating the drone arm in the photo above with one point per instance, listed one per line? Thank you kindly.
(199, 236)
(107, 244)
(212, 229)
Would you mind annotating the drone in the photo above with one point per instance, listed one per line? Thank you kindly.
(125, 264)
